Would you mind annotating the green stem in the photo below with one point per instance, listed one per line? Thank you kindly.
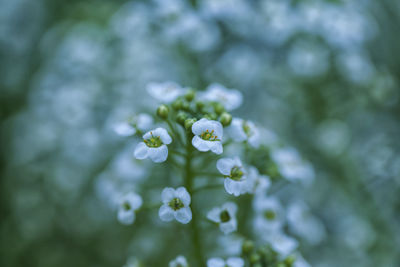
(206, 187)
(194, 227)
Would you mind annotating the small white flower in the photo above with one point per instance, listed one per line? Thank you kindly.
(129, 127)
(256, 183)
(154, 145)
(128, 204)
(175, 205)
(225, 216)
(165, 92)
(235, 176)
(269, 214)
(207, 135)
(230, 98)
(230, 262)
(179, 261)
(291, 166)
(243, 130)
(282, 243)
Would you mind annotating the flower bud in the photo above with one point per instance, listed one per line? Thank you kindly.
(162, 111)
(189, 123)
(185, 106)
(181, 117)
(189, 96)
(225, 119)
(218, 108)
(177, 104)
(247, 246)
(255, 257)
(200, 105)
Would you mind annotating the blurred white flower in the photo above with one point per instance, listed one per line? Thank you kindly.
(128, 204)
(154, 145)
(235, 176)
(256, 183)
(230, 98)
(175, 205)
(225, 216)
(269, 214)
(230, 262)
(179, 261)
(165, 92)
(282, 243)
(243, 130)
(291, 166)
(300, 261)
(207, 135)
(129, 127)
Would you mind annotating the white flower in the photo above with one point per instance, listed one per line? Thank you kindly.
(225, 216)
(291, 166)
(230, 262)
(179, 261)
(282, 244)
(154, 145)
(175, 205)
(165, 92)
(256, 183)
(207, 135)
(129, 127)
(235, 176)
(242, 130)
(230, 98)
(269, 214)
(128, 204)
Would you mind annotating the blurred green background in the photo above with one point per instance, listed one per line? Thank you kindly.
(323, 75)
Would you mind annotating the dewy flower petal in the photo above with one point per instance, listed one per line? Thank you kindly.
(154, 146)
(175, 205)
(207, 136)
(229, 98)
(165, 92)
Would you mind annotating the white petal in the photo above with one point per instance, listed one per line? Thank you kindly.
(124, 129)
(183, 195)
(231, 207)
(229, 226)
(225, 165)
(236, 130)
(214, 214)
(166, 213)
(183, 215)
(235, 262)
(158, 154)
(141, 151)
(134, 200)
(215, 262)
(216, 147)
(233, 187)
(167, 195)
(200, 144)
(163, 134)
(200, 126)
(218, 129)
(126, 216)
(254, 140)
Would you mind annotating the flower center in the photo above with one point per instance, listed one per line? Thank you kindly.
(209, 136)
(126, 206)
(224, 216)
(154, 141)
(236, 173)
(176, 204)
(246, 128)
(270, 215)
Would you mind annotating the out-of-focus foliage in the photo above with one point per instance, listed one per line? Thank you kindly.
(323, 75)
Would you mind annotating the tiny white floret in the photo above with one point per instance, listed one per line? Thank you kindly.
(154, 145)
(235, 175)
(207, 136)
(243, 130)
(175, 205)
(225, 216)
(165, 92)
(128, 204)
(230, 98)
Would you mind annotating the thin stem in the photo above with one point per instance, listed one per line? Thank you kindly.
(210, 174)
(206, 187)
(177, 153)
(194, 227)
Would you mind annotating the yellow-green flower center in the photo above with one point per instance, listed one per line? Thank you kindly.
(209, 136)
(126, 206)
(224, 216)
(246, 128)
(270, 215)
(176, 204)
(154, 141)
(236, 173)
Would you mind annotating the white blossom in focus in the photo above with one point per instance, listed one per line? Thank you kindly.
(175, 205)
(154, 145)
(225, 216)
(207, 135)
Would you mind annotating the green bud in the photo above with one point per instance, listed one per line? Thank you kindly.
(255, 257)
(189, 123)
(247, 246)
(225, 119)
(290, 260)
(189, 96)
(177, 104)
(219, 108)
(162, 111)
(200, 105)
(181, 117)
(185, 106)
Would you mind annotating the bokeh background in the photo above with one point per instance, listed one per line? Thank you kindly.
(323, 75)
